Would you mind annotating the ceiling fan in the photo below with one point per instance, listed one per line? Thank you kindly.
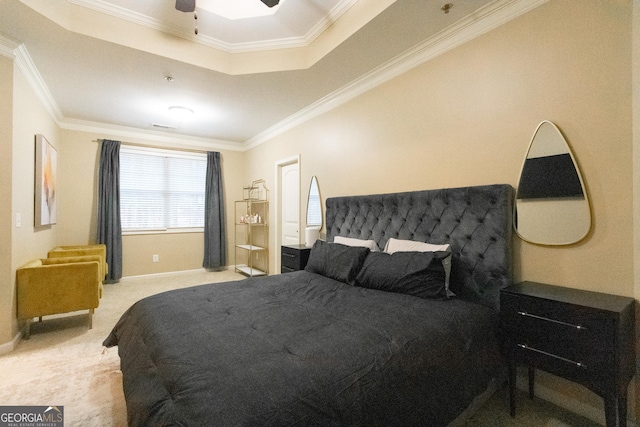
(190, 5)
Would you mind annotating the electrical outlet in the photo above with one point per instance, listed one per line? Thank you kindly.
(156, 258)
(18, 220)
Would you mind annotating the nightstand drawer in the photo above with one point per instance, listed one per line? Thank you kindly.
(290, 258)
(522, 310)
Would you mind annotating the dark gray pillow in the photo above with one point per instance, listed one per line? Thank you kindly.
(419, 274)
(336, 261)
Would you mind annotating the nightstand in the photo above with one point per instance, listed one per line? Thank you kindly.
(586, 337)
(293, 258)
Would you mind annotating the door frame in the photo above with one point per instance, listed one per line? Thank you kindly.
(278, 203)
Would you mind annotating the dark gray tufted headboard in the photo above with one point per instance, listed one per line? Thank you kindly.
(475, 221)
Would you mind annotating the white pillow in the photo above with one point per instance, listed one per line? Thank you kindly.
(397, 245)
(349, 241)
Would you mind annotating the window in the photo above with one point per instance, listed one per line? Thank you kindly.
(161, 190)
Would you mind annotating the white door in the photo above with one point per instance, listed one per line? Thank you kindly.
(290, 204)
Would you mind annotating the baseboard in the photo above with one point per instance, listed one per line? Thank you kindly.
(570, 404)
(167, 273)
(11, 345)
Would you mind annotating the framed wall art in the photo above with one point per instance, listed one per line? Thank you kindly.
(45, 182)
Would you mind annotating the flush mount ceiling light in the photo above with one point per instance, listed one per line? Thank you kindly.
(180, 112)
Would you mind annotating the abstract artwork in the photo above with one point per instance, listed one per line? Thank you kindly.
(45, 183)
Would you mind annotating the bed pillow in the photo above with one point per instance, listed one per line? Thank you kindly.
(336, 261)
(349, 241)
(397, 245)
(420, 274)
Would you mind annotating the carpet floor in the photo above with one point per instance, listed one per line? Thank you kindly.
(65, 364)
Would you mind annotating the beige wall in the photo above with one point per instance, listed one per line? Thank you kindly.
(30, 118)
(466, 118)
(78, 178)
(6, 147)
(26, 242)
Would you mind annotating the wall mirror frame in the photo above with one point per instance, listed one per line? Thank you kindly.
(551, 207)
(314, 205)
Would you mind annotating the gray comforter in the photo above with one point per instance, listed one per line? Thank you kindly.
(302, 349)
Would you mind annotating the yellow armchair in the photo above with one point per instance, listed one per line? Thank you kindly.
(52, 286)
(82, 250)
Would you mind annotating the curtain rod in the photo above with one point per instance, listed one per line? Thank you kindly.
(137, 144)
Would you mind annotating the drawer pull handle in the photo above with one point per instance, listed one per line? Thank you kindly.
(289, 255)
(579, 327)
(577, 364)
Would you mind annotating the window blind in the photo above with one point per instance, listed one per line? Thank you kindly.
(314, 210)
(161, 190)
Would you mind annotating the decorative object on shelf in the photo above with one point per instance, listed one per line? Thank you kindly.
(551, 206)
(246, 192)
(252, 230)
(45, 179)
(256, 191)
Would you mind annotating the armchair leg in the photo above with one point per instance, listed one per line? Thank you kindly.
(27, 330)
(91, 318)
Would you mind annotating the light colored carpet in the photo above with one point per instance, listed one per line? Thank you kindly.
(64, 364)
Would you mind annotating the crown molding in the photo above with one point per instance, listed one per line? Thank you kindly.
(32, 75)
(8, 46)
(119, 12)
(18, 52)
(160, 139)
(484, 20)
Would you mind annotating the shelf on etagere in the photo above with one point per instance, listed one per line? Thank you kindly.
(251, 247)
(250, 271)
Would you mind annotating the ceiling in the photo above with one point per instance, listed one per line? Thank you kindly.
(118, 65)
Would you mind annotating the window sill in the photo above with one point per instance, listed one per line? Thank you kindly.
(163, 231)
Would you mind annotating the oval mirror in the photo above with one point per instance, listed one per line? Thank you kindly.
(314, 205)
(551, 206)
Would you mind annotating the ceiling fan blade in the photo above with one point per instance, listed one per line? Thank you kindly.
(186, 5)
(270, 3)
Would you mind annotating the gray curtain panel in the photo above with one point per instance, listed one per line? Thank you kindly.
(215, 246)
(109, 226)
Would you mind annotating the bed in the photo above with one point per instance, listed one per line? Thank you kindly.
(344, 342)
